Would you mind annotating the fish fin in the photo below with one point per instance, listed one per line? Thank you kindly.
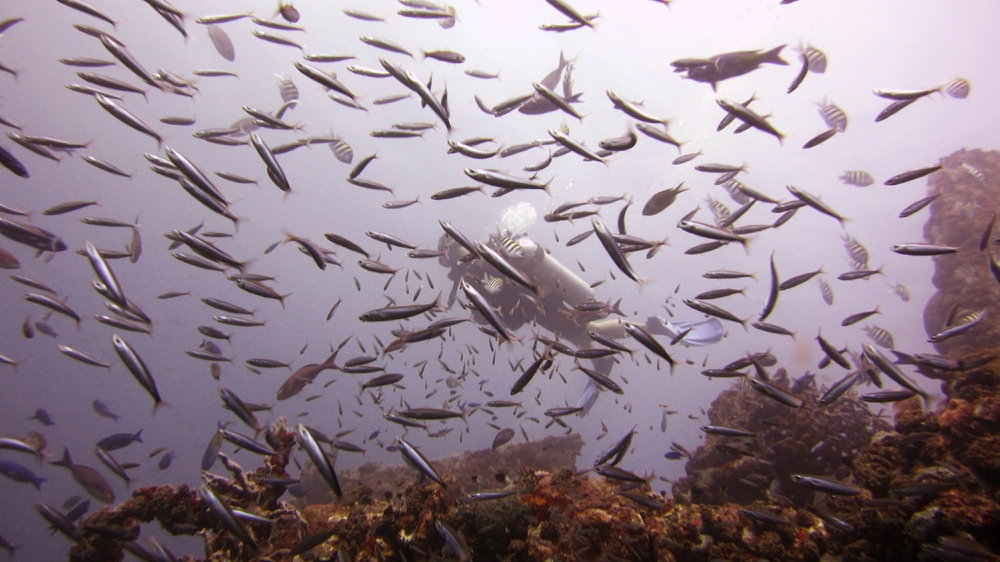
(66, 461)
(138, 436)
(616, 308)
(774, 56)
(160, 404)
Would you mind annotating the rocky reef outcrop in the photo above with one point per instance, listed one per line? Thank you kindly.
(926, 487)
(969, 184)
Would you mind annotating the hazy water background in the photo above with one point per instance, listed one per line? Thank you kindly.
(869, 45)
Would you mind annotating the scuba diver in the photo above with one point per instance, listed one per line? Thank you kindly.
(562, 303)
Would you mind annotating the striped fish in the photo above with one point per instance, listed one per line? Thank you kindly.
(733, 188)
(958, 88)
(492, 284)
(880, 336)
(342, 150)
(720, 211)
(858, 178)
(827, 291)
(858, 253)
(901, 291)
(975, 173)
(512, 248)
(287, 89)
(817, 59)
(833, 116)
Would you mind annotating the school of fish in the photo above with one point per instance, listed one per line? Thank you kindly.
(356, 371)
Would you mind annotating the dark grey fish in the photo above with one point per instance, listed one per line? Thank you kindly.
(825, 485)
(728, 65)
(103, 410)
(119, 441)
(20, 473)
(912, 175)
(892, 109)
(661, 200)
(91, 480)
(774, 392)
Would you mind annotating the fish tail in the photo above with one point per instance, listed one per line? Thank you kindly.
(616, 308)
(138, 436)
(774, 56)
(65, 461)
(160, 404)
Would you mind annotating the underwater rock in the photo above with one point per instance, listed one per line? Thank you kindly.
(929, 491)
(471, 470)
(807, 440)
(969, 184)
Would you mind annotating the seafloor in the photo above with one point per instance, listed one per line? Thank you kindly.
(559, 514)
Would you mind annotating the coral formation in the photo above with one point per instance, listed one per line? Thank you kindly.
(969, 184)
(927, 489)
(807, 440)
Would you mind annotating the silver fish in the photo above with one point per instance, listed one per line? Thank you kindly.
(137, 367)
(319, 459)
(418, 461)
(123, 115)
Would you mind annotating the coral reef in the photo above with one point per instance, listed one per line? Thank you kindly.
(969, 184)
(468, 472)
(928, 488)
(807, 440)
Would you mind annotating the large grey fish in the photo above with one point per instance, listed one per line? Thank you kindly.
(223, 44)
(729, 65)
(88, 478)
(303, 376)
